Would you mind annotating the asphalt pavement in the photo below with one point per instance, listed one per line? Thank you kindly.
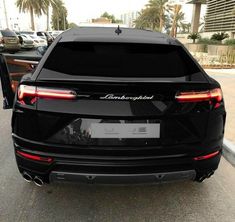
(210, 201)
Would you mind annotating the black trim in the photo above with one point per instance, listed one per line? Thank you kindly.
(122, 178)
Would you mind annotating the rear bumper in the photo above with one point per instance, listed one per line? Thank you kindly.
(9, 47)
(60, 172)
(119, 170)
(24, 46)
(61, 176)
(36, 45)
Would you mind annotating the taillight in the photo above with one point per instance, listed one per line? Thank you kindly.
(34, 157)
(200, 96)
(29, 94)
(207, 156)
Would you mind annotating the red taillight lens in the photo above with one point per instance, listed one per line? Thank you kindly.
(32, 92)
(200, 96)
(26, 91)
(55, 93)
(207, 156)
(34, 157)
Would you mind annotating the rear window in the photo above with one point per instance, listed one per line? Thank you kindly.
(6, 33)
(120, 60)
(27, 33)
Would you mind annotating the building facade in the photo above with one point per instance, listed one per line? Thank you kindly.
(129, 18)
(220, 16)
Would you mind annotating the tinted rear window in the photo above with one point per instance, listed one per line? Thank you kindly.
(7, 33)
(27, 33)
(120, 60)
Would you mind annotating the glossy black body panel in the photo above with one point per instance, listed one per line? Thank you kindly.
(61, 129)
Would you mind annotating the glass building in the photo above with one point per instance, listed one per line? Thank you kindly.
(220, 16)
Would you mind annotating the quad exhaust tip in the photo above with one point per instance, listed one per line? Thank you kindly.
(203, 177)
(27, 177)
(38, 181)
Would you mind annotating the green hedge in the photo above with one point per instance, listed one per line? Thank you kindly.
(208, 41)
(230, 42)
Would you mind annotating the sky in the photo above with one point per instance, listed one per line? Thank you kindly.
(80, 11)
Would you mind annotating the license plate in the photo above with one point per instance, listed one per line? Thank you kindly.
(127, 130)
(12, 41)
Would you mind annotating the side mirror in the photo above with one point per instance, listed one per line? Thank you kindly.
(41, 50)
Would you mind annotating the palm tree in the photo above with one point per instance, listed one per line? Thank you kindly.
(160, 7)
(194, 36)
(31, 6)
(153, 16)
(177, 17)
(55, 4)
(147, 19)
(59, 16)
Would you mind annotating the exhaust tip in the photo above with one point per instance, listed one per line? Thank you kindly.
(27, 177)
(38, 181)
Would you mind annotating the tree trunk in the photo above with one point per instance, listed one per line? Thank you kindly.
(48, 19)
(64, 22)
(58, 22)
(161, 21)
(175, 33)
(161, 25)
(32, 18)
(173, 28)
(174, 23)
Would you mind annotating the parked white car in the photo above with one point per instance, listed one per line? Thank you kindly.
(27, 42)
(37, 41)
(41, 34)
(55, 33)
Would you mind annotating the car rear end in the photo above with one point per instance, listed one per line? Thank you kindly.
(38, 41)
(118, 112)
(27, 42)
(46, 36)
(9, 41)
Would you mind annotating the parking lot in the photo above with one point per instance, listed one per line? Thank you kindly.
(212, 200)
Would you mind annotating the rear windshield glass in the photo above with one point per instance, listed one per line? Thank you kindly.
(27, 33)
(120, 60)
(6, 33)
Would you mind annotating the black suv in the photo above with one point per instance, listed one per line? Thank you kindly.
(108, 105)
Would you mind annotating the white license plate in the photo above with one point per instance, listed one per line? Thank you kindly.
(126, 130)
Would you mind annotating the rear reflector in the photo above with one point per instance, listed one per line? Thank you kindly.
(207, 156)
(34, 157)
(199, 96)
(42, 92)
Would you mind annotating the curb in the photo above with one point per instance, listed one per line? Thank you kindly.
(229, 151)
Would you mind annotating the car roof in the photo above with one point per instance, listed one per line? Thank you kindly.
(110, 34)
